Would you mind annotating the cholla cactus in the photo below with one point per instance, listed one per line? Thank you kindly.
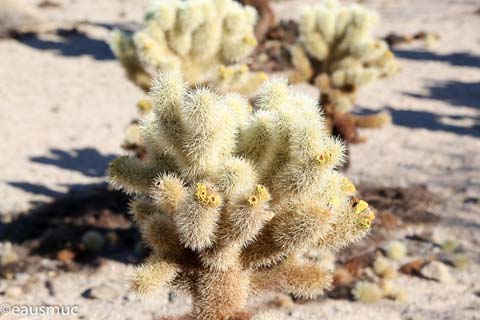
(337, 53)
(228, 198)
(201, 38)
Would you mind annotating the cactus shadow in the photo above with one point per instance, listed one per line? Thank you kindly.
(462, 59)
(71, 43)
(43, 190)
(50, 228)
(87, 161)
(456, 93)
(34, 188)
(416, 119)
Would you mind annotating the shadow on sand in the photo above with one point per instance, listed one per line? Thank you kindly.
(458, 93)
(455, 93)
(422, 119)
(72, 44)
(462, 59)
(60, 225)
(87, 161)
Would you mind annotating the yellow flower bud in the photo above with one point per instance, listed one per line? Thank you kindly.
(361, 206)
(250, 40)
(348, 186)
(253, 200)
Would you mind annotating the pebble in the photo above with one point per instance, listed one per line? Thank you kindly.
(13, 292)
(102, 292)
(7, 254)
(413, 267)
(440, 236)
(93, 240)
(65, 255)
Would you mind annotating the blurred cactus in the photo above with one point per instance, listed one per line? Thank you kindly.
(267, 17)
(367, 292)
(337, 52)
(202, 39)
(229, 199)
(396, 250)
(383, 268)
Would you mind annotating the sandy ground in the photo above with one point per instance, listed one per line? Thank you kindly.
(65, 103)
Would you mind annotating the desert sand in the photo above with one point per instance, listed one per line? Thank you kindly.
(65, 103)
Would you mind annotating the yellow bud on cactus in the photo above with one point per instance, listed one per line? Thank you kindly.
(321, 159)
(348, 186)
(144, 105)
(324, 158)
(364, 223)
(201, 193)
(243, 69)
(371, 216)
(250, 40)
(262, 192)
(201, 187)
(253, 200)
(361, 206)
(214, 201)
(225, 72)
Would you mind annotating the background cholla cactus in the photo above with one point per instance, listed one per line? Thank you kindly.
(201, 38)
(267, 17)
(228, 199)
(337, 52)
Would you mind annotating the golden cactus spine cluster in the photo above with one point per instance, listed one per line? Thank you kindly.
(228, 199)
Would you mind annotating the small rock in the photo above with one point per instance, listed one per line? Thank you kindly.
(440, 236)
(13, 292)
(172, 296)
(93, 240)
(437, 271)
(112, 237)
(102, 292)
(7, 254)
(450, 246)
(22, 278)
(65, 255)
(341, 276)
(130, 296)
(50, 288)
(460, 261)
(412, 268)
(281, 301)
